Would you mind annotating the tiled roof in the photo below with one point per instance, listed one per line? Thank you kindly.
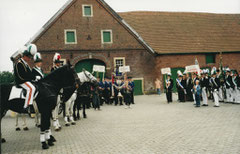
(177, 32)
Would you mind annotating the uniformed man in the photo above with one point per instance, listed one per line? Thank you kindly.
(180, 87)
(37, 70)
(204, 87)
(220, 90)
(189, 87)
(194, 79)
(229, 86)
(168, 88)
(131, 84)
(57, 64)
(106, 92)
(24, 76)
(118, 94)
(215, 82)
(235, 90)
(56, 61)
(238, 87)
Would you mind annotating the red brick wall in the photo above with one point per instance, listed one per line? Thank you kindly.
(142, 63)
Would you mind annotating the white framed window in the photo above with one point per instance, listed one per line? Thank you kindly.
(119, 61)
(106, 36)
(70, 36)
(87, 10)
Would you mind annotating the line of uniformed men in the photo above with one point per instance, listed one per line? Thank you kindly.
(212, 87)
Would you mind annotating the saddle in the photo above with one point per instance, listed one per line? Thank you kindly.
(18, 92)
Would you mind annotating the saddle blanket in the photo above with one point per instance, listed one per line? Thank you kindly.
(19, 93)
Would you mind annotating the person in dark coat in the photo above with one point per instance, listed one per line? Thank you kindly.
(37, 70)
(189, 87)
(24, 76)
(168, 88)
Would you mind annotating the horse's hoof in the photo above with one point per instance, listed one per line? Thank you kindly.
(3, 140)
(44, 145)
(67, 125)
(73, 123)
(52, 138)
(57, 129)
(85, 116)
(50, 142)
(18, 129)
(38, 126)
(25, 128)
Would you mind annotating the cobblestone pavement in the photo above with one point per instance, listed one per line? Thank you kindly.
(150, 126)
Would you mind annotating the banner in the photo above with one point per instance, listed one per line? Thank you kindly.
(98, 68)
(192, 68)
(124, 69)
(166, 70)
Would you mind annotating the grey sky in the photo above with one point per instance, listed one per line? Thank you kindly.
(21, 19)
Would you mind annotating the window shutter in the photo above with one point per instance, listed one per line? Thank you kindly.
(87, 10)
(70, 37)
(106, 37)
(210, 58)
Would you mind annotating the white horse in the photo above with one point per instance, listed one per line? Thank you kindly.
(84, 76)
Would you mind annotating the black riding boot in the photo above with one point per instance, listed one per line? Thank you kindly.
(44, 145)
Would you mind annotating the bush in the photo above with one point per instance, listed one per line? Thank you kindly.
(6, 77)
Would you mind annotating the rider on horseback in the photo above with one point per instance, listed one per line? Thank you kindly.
(57, 61)
(24, 76)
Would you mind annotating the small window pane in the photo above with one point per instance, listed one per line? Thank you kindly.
(70, 37)
(210, 58)
(119, 62)
(106, 37)
(87, 11)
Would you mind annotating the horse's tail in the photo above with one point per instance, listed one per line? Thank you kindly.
(5, 90)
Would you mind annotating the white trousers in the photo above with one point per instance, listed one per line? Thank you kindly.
(220, 94)
(204, 96)
(30, 93)
(238, 96)
(229, 93)
(234, 94)
(215, 96)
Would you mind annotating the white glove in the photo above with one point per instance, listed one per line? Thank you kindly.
(38, 78)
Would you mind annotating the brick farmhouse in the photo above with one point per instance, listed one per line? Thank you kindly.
(89, 32)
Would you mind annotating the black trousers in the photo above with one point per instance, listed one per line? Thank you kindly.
(132, 97)
(169, 96)
(181, 96)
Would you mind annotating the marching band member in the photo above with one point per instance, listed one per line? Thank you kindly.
(204, 86)
(215, 83)
(194, 79)
(220, 91)
(24, 76)
(118, 85)
(168, 87)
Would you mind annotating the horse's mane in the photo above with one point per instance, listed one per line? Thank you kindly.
(55, 74)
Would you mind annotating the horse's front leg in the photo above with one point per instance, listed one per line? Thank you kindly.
(71, 112)
(67, 114)
(84, 109)
(56, 124)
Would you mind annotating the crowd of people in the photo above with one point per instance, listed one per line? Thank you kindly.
(220, 86)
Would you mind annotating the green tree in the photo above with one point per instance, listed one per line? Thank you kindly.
(6, 77)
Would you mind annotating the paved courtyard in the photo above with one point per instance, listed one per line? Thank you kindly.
(150, 126)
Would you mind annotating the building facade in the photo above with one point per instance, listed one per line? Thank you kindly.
(90, 32)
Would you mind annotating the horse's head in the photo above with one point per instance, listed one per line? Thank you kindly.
(86, 76)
